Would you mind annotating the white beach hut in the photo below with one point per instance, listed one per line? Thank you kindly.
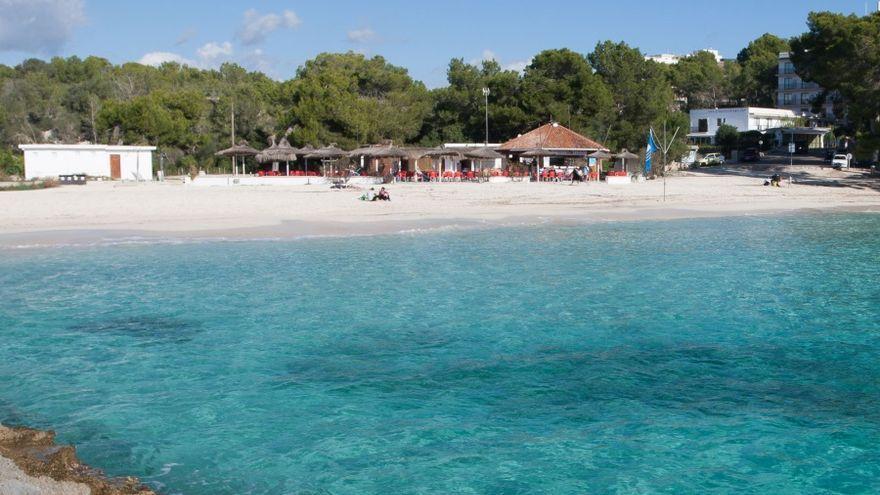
(95, 160)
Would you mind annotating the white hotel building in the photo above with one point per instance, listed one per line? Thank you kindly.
(706, 121)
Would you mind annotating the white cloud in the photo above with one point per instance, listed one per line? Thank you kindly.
(489, 55)
(158, 58)
(365, 35)
(38, 26)
(255, 27)
(518, 66)
(210, 52)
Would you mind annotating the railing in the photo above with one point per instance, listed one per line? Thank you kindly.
(799, 85)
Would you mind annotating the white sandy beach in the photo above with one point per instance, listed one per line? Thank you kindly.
(171, 208)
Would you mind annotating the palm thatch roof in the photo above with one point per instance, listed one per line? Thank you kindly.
(379, 152)
(281, 152)
(483, 154)
(601, 155)
(444, 153)
(330, 152)
(626, 155)
(240, 149)
(536, 152)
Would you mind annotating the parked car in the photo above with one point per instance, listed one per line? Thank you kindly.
(711, 159)
(750, 155)
(840, 161)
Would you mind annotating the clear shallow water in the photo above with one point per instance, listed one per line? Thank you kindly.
(699, 356)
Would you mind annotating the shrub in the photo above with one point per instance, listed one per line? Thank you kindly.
(11, 164)
(727, 137)
(189, 164)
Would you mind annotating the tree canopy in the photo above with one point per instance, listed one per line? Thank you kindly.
(640, 92)
(699, 79)
(349, 99)
(757, 81)
(842, 53)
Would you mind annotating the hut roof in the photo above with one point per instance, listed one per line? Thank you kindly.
(327, 152)
(240, 149)
(602, 155)
(281, 152)
(443, 152)
(483, 154)
(551, 136)
(380, 152)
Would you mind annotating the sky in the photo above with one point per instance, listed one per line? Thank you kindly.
(276, 37)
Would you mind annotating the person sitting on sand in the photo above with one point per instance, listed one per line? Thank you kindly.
(775, 180)
(383, 195)
(369, 195)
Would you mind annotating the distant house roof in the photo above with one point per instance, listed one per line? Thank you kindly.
(551, 136)
(83, 147)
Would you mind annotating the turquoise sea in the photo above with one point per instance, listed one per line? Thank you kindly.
(735, 355)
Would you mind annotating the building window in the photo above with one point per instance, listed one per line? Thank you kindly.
(788, 99)
(703, 125)
(788, 68)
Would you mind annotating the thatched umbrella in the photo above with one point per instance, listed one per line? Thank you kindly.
(281, 152)
(242, 149)
(481, 154)
(599, 156)
(626, 155)
(442, 153)
(327, 153)
(302, 153)
(538, 154)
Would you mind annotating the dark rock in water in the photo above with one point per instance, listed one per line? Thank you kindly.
(156, 328)
(35, 453)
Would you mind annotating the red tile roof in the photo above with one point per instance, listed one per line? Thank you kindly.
(551, 137)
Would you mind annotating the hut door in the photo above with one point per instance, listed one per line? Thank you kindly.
(115, 168)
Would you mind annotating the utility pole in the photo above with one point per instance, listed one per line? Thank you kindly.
(232, 134)
(486, 96)
(664, 160)
(665, 149)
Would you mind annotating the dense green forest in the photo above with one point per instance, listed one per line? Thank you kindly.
(611, 94)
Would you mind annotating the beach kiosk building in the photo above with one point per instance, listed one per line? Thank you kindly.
(552, 145)
(550, 142)
(94, 160)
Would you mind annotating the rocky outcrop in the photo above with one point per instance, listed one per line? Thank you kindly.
(39, 466)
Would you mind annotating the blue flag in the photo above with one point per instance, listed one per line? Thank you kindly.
(652, 148)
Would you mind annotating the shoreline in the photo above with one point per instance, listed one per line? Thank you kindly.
(118, 213)
(31, 462)
(293, 230)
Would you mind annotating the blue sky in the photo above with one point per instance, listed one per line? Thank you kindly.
(278, 36)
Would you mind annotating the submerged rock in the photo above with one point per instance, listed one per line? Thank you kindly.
(30, 462)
